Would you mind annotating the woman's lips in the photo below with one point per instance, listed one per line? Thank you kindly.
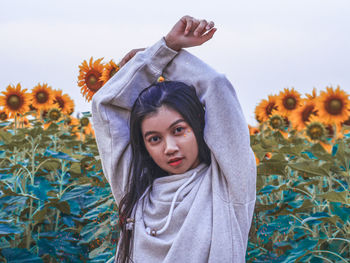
(175, 162)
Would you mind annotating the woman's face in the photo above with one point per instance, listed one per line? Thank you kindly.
(170, 141)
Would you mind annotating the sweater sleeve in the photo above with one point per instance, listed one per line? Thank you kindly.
(111, 107)
(226, 131)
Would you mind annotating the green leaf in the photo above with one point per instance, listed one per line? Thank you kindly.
(343, 155)
(62, 206)
(308, 168)
(51, 165)
(276, 165)
(39, 216)
(75, 168)
(318, 151)
(292, 149)
(333, 196)
(5, 136)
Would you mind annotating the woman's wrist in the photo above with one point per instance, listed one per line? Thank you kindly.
(170, 44)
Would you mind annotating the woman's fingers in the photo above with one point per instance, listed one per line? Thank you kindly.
(209, 25)
(191, 24)
(208, 35)
(200, 28)
(188, 26)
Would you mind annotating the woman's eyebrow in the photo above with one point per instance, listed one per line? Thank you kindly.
(176, 122)
(171, 125)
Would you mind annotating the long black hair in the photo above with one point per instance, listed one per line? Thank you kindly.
(143, 170)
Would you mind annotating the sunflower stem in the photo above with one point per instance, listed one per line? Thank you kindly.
(15, 124)
(81, 139)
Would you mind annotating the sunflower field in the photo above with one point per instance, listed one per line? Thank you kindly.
(56, 205)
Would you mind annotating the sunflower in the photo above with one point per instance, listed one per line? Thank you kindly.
(264, 109)
(108, 71)
(63, 102)
(333, 106)
(301, 115)
(331, 130)
(84, 121)
(42, 97)
(276, 122)
(3, 115)
(54, 114)
(89, 77)
(288, 101)
(316, 131)
(15, 100)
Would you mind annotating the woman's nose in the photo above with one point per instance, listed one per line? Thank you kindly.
(170, 146)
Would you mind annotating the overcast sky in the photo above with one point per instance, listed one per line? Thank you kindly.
(261, 46)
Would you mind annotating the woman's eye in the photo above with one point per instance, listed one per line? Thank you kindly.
(179, 129)
(154, 139)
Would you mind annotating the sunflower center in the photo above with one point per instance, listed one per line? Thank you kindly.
(315, 131)
(41, 97)
(334, 106)
(276, 122)
(14, 102)
(290, 103)
(84, 121)
(54, 115)
(92, 80)
(3, 116)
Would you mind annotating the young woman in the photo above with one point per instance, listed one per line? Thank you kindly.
(176, 154)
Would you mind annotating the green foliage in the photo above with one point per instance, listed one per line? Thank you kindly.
(55, 204)
(302, 211)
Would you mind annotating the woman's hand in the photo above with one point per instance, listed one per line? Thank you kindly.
(129, 56)
(189, 32)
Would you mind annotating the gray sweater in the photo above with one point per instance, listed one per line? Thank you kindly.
(205, 214)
